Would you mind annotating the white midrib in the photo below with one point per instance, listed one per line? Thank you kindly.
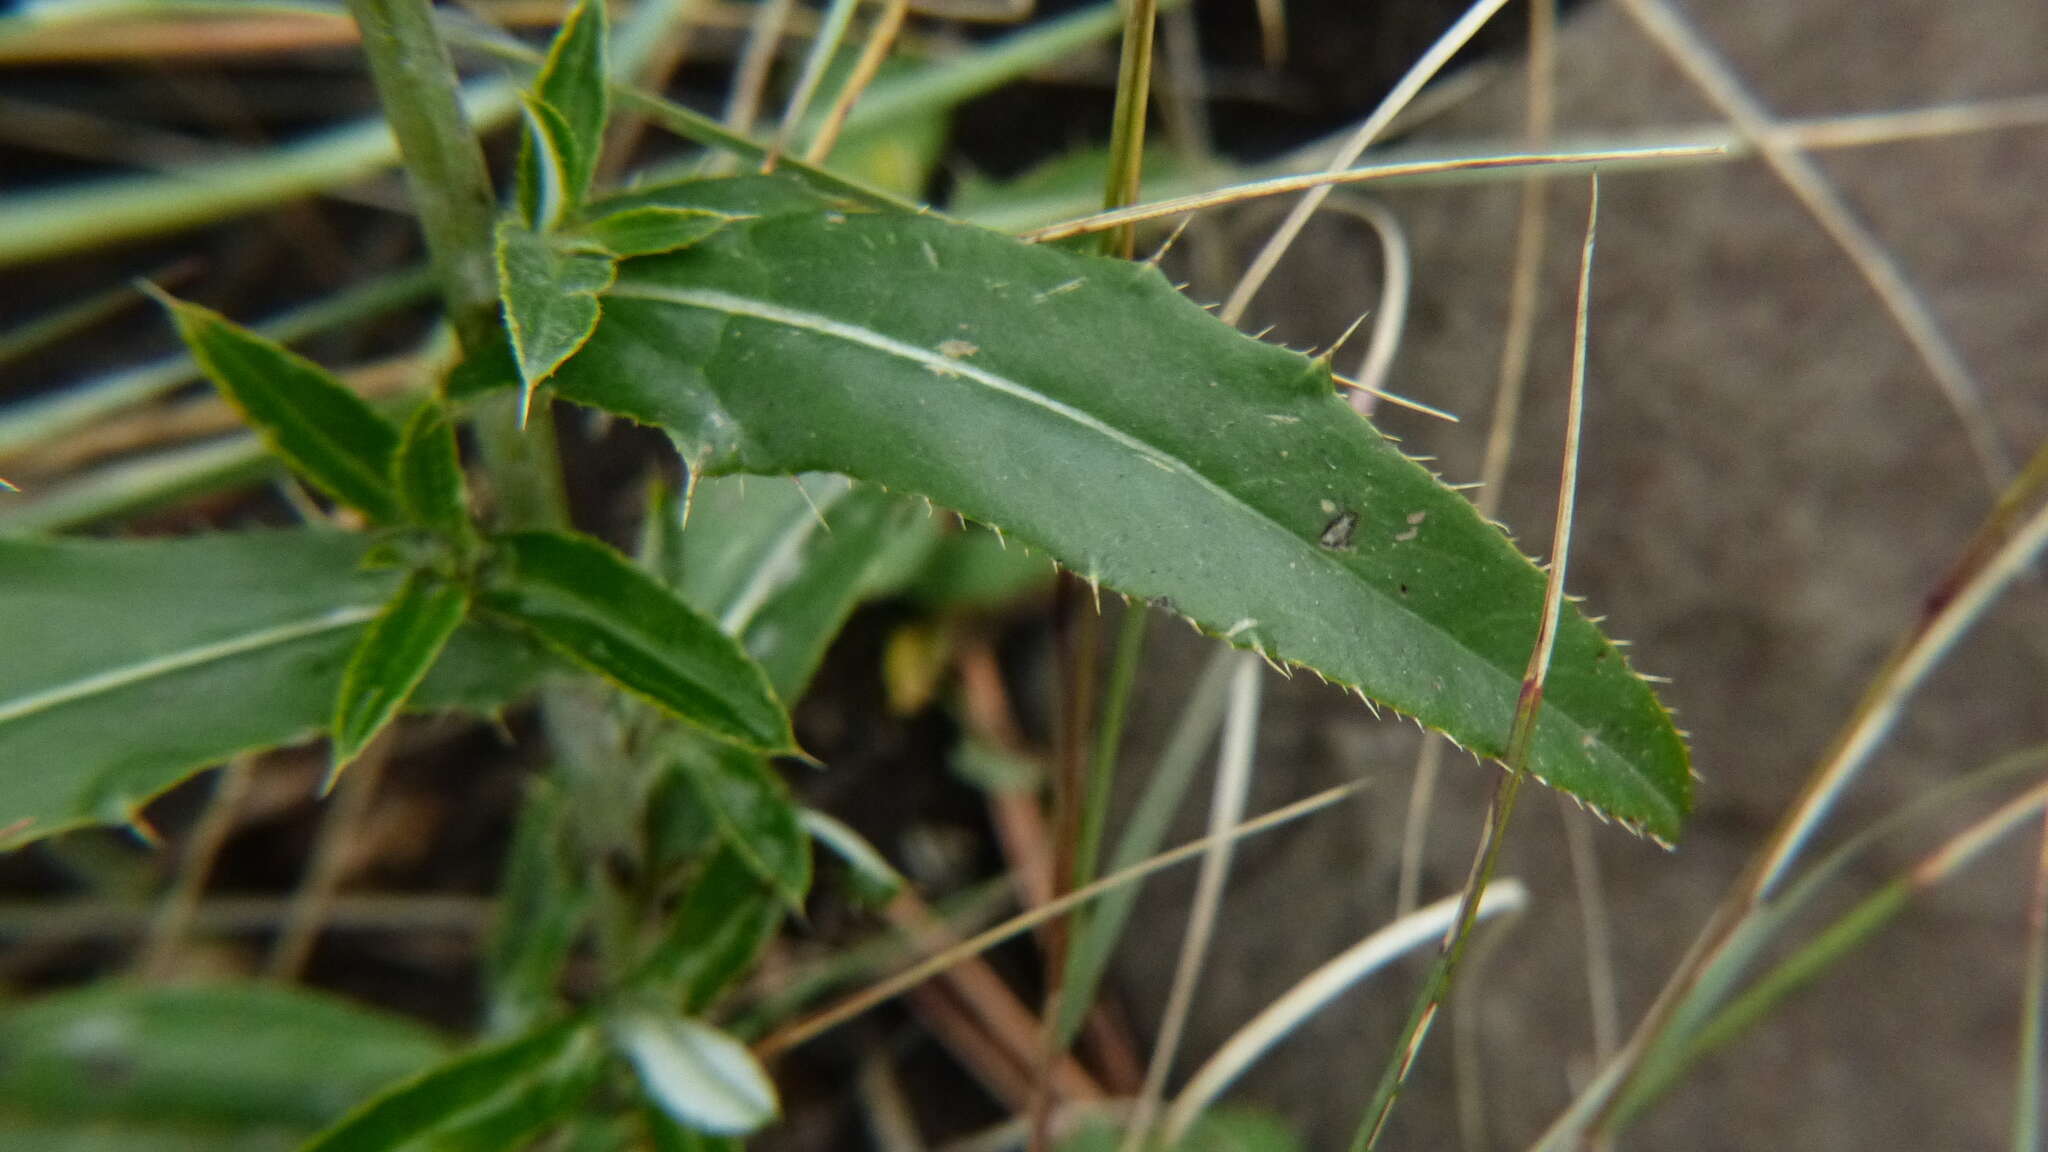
(942, 365)
(115, 679)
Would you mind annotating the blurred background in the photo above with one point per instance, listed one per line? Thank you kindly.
(1774, 482)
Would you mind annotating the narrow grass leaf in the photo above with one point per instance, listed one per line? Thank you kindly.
(595, 607)
(132, 664)
(395, 653)
(1085, 408)
(543, 901)
(702, 1077)
(427, 475)
(326, 432)
(493, 1097)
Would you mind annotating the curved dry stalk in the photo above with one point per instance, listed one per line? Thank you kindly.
(1315, 991)
(810, 1027)
(1226, 807)
(1396, 283)
(1404, 91)
(1915, 321)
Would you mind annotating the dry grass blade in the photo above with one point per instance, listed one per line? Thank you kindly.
(750, 82)
(340, 830)
(880, 39)
(1314, 992)
(1404, 92)
(2026, 1105)
(1964, 598)
(1538, 120)
(174, 920)
(1233, 783)
(1915, 320)
(838, 18)
(792, 1035)
(1528, 707)
(1283, 185)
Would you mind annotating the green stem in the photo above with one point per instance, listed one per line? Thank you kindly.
(1127, 130)
(451, 186)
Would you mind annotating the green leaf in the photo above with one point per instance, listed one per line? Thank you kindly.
(782, 564)
(549, 287)
(132, 664)
(485, 1100)
(546, 158)
(652, 229)
(591, 604)
(119, 1052)
(326, 432)
(713, 938)
(395, 653)
(572, 84)
(1085, 408)
(427, 475)
(703, 1078)
(754, 812)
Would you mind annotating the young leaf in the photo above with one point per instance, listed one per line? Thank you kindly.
(549, 287)
(754, 811)
(724, 922)
(546, 158)
(1084, 407)
(595, 607)
(321, 428)
(702, 1077)
(395, 653)
(494, 1097)
(572, 84)
(296, 1060)
(132, 664)
(427, 475)
(652, 229)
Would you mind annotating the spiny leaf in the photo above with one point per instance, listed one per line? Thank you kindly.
(499, 1096)
(549, 287)
(427, 475)
(132, 664)
(755, 813)
(395, 653)
(1084, 407)
(652, 229)
(595, 607)
(702, 1077)
(321, 428)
